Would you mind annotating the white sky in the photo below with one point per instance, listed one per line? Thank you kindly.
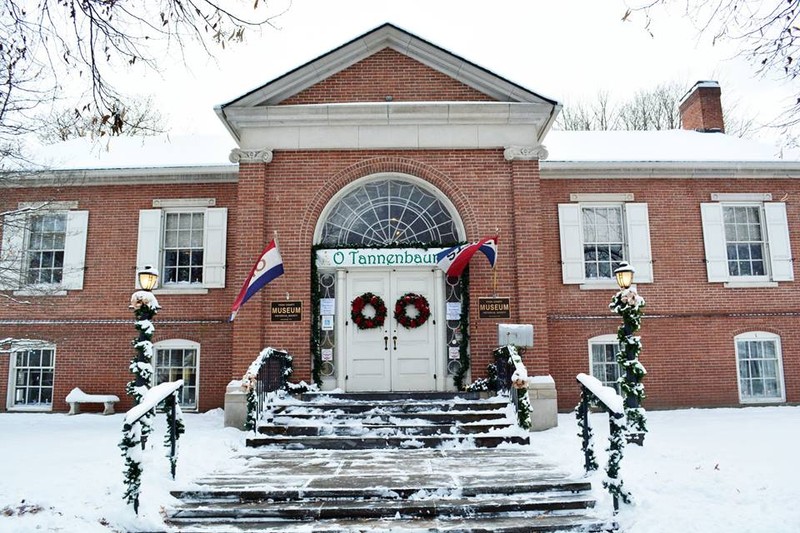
(564, 50)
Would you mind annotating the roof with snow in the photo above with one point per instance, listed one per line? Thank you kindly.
(178, 154)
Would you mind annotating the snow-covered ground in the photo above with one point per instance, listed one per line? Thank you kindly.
(714, 470)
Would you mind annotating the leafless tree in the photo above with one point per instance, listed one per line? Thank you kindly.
(139, 118)
(653, 109)
(767, 32)
(52, 49)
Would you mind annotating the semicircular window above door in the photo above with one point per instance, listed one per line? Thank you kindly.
(389, 210)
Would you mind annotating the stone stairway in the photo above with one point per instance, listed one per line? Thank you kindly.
(388, 420)
(349, 463)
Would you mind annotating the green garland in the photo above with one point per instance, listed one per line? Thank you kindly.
(145, 306)
(180, 429)
(587, 442)
(315, 344)
(616, 447)
(630, 306)
(131, 440)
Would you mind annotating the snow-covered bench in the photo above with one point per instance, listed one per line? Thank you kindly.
(76, 397)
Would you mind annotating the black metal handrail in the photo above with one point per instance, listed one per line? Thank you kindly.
(272, 369)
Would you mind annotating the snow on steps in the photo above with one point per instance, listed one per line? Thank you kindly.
(510, 489)
(388, 420)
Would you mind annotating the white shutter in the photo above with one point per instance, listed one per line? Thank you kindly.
(569, 227)
(780, 250)
(714, 241)
(12, 250)
(216, 226)
(75, 250)
(149, 243)
(640, 256)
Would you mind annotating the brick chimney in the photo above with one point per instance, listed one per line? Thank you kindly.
(701, 108)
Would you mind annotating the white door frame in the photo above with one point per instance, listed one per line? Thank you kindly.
(438, 317)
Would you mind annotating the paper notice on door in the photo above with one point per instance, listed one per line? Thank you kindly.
(327, 322)
(453, 310)
(453, 352)
(327, 306)
(327, 354)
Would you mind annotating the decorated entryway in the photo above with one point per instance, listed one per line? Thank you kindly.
(397, 353)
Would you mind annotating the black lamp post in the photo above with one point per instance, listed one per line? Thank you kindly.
(145, 306)
(629, 305)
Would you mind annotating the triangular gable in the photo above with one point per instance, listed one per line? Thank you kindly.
(387, 75)
(387, 36)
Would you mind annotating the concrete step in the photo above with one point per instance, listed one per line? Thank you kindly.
(391, 396)
(520, 523)
(358, 509)
(361, 429)
(542, 485)
(335, 442)
(381, 407)
(436, 417)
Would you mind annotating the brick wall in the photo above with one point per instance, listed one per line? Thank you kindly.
(689, 323)
(387, 73)
(93, 328)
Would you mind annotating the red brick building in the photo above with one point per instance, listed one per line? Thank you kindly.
(365, 162)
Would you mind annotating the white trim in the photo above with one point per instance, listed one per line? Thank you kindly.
(608, 338)
(419, 182)
(128, 176)
(740, 197)
(184, 202)
(49, 206)
(760, 336)
(28, 344)
(745, 284)
(181, 344)
(604, 284)
(554, 169)
(174, 290)
(601, 197)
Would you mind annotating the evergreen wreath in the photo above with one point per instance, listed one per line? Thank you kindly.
(401, 310)
(357, 311)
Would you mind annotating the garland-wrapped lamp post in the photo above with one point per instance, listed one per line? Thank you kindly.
(144, 306)
(629, 305)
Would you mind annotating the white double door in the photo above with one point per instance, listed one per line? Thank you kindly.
(393, 357)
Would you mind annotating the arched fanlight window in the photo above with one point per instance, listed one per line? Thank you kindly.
(389, 210)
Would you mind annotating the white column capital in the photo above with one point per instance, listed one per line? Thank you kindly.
(250, 156)
(525, 153)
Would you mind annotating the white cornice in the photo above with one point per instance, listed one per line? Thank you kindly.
(671, 170)
(389, 125)
(127, 176)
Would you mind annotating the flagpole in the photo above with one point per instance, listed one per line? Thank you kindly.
(277, 247)
(494, 267)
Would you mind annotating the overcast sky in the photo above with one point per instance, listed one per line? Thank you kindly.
(566, 50)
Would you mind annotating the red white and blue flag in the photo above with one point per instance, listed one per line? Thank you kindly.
(454, 260)
(268, 267)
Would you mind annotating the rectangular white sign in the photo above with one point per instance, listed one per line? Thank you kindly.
(373, 257)
(327, 322)
(327, 306)
(327, 354)
(453, 310)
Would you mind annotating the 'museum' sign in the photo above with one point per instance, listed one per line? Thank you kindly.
(371, 257)
(494, 307)
(286, 311)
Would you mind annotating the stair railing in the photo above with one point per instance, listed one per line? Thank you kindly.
(267, 374)
(132, 436)
(595, 394)
(512, 379)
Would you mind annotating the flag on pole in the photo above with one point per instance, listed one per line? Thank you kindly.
(268, 267)
(454, 260)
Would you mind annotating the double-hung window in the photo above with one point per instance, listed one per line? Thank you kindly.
(603, 360)
(32, 376)
(746, 240)
(598, 231)
(178, 359)
(43, 249)
(758, 358)
(186, 240)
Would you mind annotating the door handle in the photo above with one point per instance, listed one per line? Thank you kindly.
(394, 341)
(385, 342)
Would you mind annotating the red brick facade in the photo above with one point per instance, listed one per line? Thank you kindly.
(688, 329)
